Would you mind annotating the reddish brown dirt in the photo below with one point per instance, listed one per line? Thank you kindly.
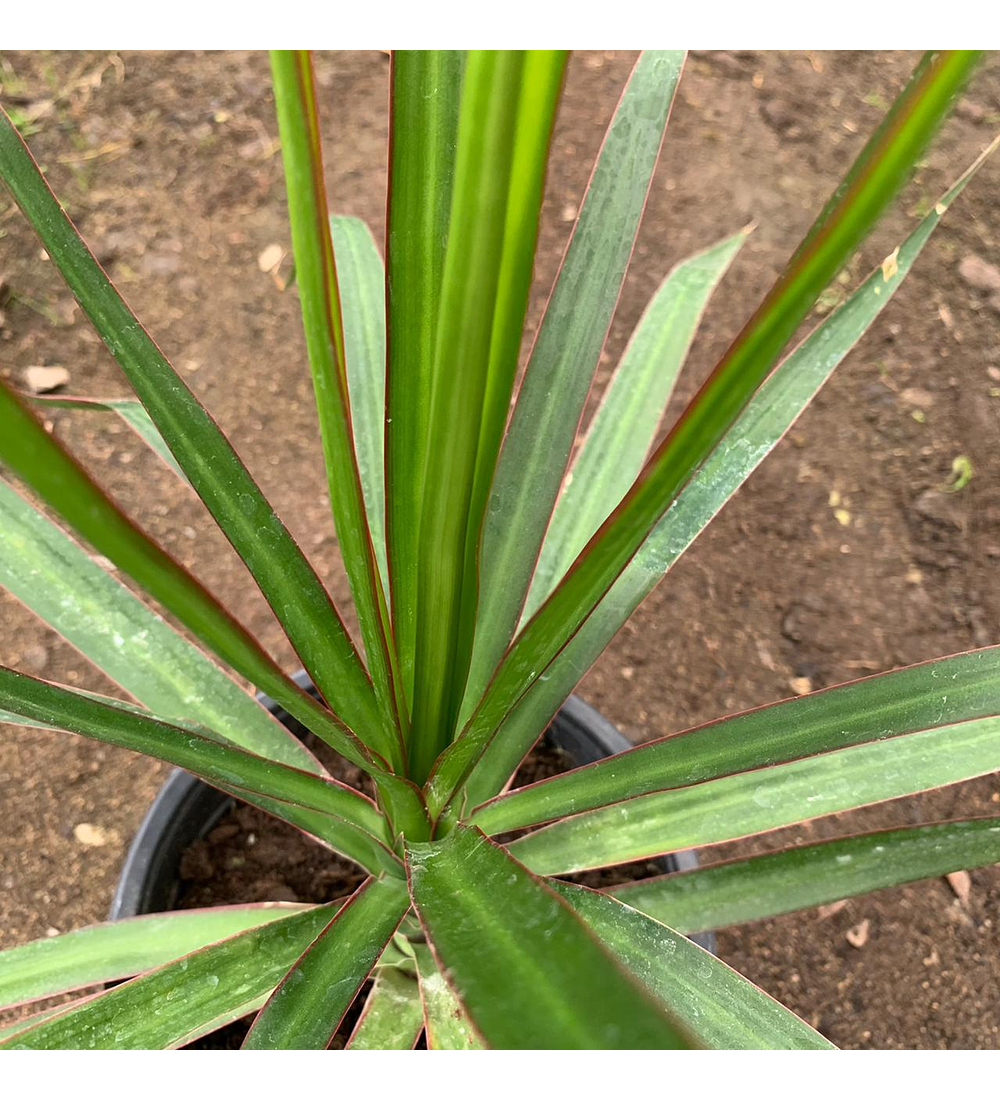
(168, 162)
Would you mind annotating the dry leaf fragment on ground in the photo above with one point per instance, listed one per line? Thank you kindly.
(961, 885)
(92, 836)
(45, 379)
(858, 935)
(269, 259)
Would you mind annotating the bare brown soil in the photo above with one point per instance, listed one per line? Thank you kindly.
(169, 164)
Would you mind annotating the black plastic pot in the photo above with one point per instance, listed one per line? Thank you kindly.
(186, 809)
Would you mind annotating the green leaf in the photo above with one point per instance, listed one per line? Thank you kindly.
(132, 412)
(526, 969)
(286, 578)
(54, 577)
(719, 1006)
(796, 878)
(554, 628)
(540, 87)
(564, 358)
(392, 1018)
(423, 125)
(185, 999)
(322, 826)
(942, 692)
(107, 952)
(362, 304)
(319, 292)
(39, 459)
(508, 100)
(624, 425)
(224, 765)
(307, 1007)
(9, 1030)
(445, 1021)
(770, 413)
(768, 798)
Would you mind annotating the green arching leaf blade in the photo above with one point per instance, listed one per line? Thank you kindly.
(540, 85)
(445, 1022)
(185, 999)
(334, 832)
(7, 1031)
(107, 952)
(322, 320)
(526, 969)
(943, 692)
(307, 1007)
(423, 127)
(813, 874)
(718, 1005)
(132, 412)
(564, 358)
(769, 414)
(764, 799)
(282, 572)
(57, 580)
(624, 425)
(498, 172)
(362, 303)
(224, 765)
(39, 460)
(392, 1018)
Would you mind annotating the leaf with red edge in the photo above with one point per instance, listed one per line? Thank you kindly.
(279, 567)
(307, 1007)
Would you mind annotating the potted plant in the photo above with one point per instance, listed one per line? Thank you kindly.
(488, 572)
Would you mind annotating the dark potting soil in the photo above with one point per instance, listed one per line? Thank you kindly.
(250, 856)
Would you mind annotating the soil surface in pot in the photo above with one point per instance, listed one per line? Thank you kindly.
(250, 856)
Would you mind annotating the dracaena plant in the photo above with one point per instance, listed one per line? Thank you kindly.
(488, 571)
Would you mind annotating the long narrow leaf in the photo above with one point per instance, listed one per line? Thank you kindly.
(107, 952)
(362, 303)
(721, 1007)
(67, 589)
(130, 411)
(942, 692)
(287, 580)
(306, 1009)
(768, 798)
(500, 162)
(624, 425)
(392, 1018)
(423, 126)
(41, 461)
(7, 1031)
(525, 967)
(770, 413)
(223, 765)
(565, 355)
(446, 1024)
(320, 825)
(796, 878)
(319, 291)
(886, 162)
(185, 999)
